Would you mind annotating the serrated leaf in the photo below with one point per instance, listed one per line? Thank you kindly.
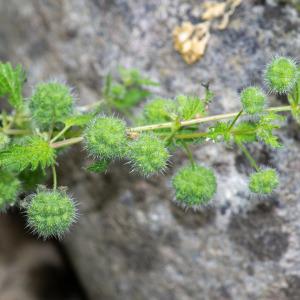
(190, 107)
(99, 166)
(244, 132)
(78, 120)
(220, 131)
(31, 152)
(265, 127)
(11, 84)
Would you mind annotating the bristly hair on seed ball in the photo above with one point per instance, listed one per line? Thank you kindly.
(50, 103)
(148, 154)
(281, 74)
(253, 100)
(105, 137)
(50, 213)
(264, 181)
(194, 186)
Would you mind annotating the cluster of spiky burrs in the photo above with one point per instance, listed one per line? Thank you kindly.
(164, 126)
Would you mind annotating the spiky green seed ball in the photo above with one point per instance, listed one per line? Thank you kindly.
(194, 186)
(263, 182)
(158, 110)
(9, 189)
(50, 103)
(148, 154)
(253, 100)
(4, 140)
(51, 213)
(281, 74)
(106, 137)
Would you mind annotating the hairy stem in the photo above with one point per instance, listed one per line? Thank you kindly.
(203, 119)
(130, 131)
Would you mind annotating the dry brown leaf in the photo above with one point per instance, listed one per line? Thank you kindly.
(213, 10)
(191, 40)
(232, 5)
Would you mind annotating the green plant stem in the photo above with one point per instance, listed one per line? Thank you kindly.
(203, 120)
(248, 156)
(16, 131)
(235, 120)
(60, 134)
(67, 142)
(54, 177)
(79, 139)
(189, 154)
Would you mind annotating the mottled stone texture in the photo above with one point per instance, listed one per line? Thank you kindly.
(31, 269)
(131, 242)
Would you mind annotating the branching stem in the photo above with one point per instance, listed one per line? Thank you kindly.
(236, 115)
(203, 119)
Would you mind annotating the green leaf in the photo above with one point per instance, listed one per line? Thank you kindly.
(158, 110)
(99, 166)
(31, 153)
(11, 84)
(220, 131)
(31, 179)
(78, 120)
(265, 127)
(134, 77)
(244, 132)
(125, 99)
(190, 107)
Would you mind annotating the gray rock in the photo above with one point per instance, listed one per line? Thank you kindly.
(31, 269)
(131, 242)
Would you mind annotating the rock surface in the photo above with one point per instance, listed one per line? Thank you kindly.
(31, 269)
(131, 242)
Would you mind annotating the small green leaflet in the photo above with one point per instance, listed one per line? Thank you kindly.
(265, 127)
(11, 84)
(99, 166)
(190, 107)
(31, 153)
(219, 131)
(134, 77)
(244, 132)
